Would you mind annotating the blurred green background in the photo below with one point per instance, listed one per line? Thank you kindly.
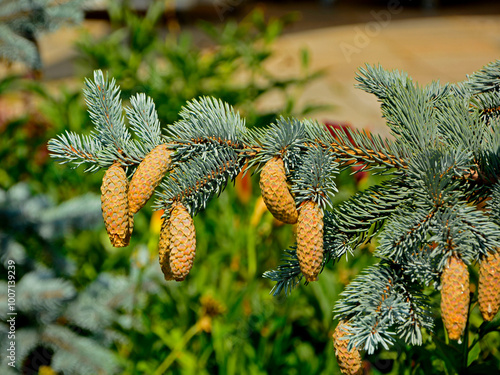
(85, 307)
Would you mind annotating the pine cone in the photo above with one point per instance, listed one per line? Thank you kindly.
(489, 286)
(310, 240)
(164, 251)
(349, 361)
(182, 241)
(275, 191)
(455, 297)
(114, 203)
(148, 176)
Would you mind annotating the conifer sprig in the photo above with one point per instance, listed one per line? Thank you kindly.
(485, 79)
(286, 139)
(381, 303)
(143, 120)
(106, 112)
(196, 181)
(77, 149)
(443, 162)
(352, 145)
(315, 178)
(287, 275)
(361, 217)
(208, 120)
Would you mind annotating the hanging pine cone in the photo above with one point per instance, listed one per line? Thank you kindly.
(114, 203)
(164, 251)
(349, 361)
(310, 240)
(275, 191)
(182, 241)
(489, 286)
(148, 176)
(455, 297)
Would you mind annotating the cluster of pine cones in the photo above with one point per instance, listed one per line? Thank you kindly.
(455, 298)
(177, 245)
(121, 200)
(455, 295)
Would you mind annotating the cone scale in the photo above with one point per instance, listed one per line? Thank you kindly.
(275, 192)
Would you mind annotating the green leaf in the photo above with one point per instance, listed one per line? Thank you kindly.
(473, 354)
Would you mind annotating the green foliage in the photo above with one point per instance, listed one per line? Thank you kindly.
(174, 68)
(47, 328)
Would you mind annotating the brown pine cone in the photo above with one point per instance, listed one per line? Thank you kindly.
(148, 176)
(349, 361)
(455, 297)
(114, 203)
(310, 240)
(489, 286)
(275, 193)
(182, 241)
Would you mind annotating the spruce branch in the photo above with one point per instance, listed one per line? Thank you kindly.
(405, 232)
(443, 162)
(77, 149)
(464, 229)
(143, 120)
(206, 120)
(355, 146)
(286, 139)
(435, 175)
(380, 82)
(370, 305)
(458, 126)
(196, 181)
(485, 79)
(105, 109)
(287, 275)
(408, 108)
(380, 303)
(487, 103)
(314, 178)
(361, 217)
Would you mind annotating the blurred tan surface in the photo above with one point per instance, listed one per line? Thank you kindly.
(437, 48)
